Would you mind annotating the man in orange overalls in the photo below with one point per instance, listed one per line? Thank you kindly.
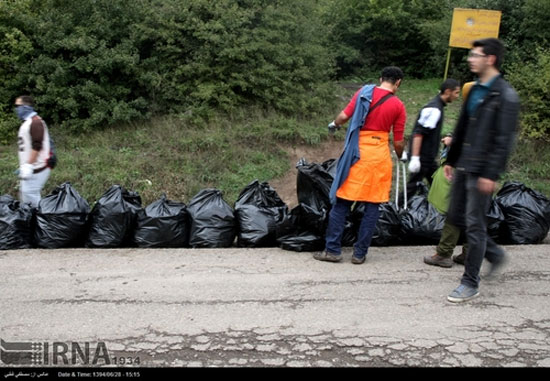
(375, 111)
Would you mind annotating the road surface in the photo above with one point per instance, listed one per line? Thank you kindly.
(270, 307)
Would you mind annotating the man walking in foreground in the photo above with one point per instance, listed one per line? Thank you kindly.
(439, 195)
(364, 170)
(33, 140)
(482, 142)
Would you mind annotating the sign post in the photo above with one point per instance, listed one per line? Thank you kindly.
(469, 25)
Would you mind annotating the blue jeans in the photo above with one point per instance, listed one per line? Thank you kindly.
(337, 222)
(468, 209)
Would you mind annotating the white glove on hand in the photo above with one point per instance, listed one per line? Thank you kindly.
(26, 171)
(404, 157)
(332, 126)
(414, 165)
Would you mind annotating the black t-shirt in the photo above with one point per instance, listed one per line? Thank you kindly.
(428, 124)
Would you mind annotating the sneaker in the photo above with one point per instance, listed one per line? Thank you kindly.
(438, 260)
(463, 293)
(496, 268)
(460, 258)
(358, 260)
(328, 257)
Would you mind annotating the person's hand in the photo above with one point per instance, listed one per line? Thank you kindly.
(332, 126)
(404, 157)
(486, 186)
(414, 165)
(447, 140)
(25, 171)
(448, 172)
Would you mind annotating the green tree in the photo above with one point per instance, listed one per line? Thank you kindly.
(15, 52)
(532, 81)
(367, 35)
(228, 52)
(85, 67)
(103, 62)
(532, 29)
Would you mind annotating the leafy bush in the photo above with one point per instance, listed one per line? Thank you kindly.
(532, 81)
(76, 59)
(15, 53)
(368, 35)
(98, 63)
(227, 53)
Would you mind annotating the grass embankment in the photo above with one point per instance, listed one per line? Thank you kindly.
(181, 154)
(177, 154)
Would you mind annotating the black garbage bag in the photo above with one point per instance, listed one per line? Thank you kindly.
(526, 213)
(286, 223)
(16, 224)
(61, 219)
(113, 218)
(303, 241)
(163, 223)
(261, 216)
(495, 218)
(312, 213)
(259, 194)
(259, 227)
(308, 218)
(313, 183)
(388, 226)
(212, 220)
(421, 223)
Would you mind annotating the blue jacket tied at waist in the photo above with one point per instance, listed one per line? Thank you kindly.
(351, 147)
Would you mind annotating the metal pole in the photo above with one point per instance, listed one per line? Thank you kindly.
(404, 186)
(397, 185)
(447, 64)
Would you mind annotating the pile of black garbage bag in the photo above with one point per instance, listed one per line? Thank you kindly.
(259, 218)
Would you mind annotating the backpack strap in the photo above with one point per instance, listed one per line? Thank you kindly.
(382, 100)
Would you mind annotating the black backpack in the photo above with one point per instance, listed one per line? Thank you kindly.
(52, 160)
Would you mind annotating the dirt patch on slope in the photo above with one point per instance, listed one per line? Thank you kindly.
(286, 184)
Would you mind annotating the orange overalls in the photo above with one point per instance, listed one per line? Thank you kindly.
(370, 177)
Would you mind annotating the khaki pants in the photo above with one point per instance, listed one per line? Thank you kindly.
(449, 239)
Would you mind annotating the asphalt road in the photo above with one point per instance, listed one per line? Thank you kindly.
(269, 307)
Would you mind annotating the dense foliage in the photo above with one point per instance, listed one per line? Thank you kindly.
(100, 63)
(367, 35)
(414, 34)
(97, 63)
(532, 81)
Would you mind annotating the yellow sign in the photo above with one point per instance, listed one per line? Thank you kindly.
(471, 24)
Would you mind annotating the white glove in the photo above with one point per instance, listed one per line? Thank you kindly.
(414, 164)
(332, 126)
(25, 171)
(404, 157)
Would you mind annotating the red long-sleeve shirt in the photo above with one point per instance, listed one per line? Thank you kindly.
(391, 113)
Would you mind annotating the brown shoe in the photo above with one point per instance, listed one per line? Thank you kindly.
(358, 260)
(460, 258)
(438, 260)
(326, 256)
